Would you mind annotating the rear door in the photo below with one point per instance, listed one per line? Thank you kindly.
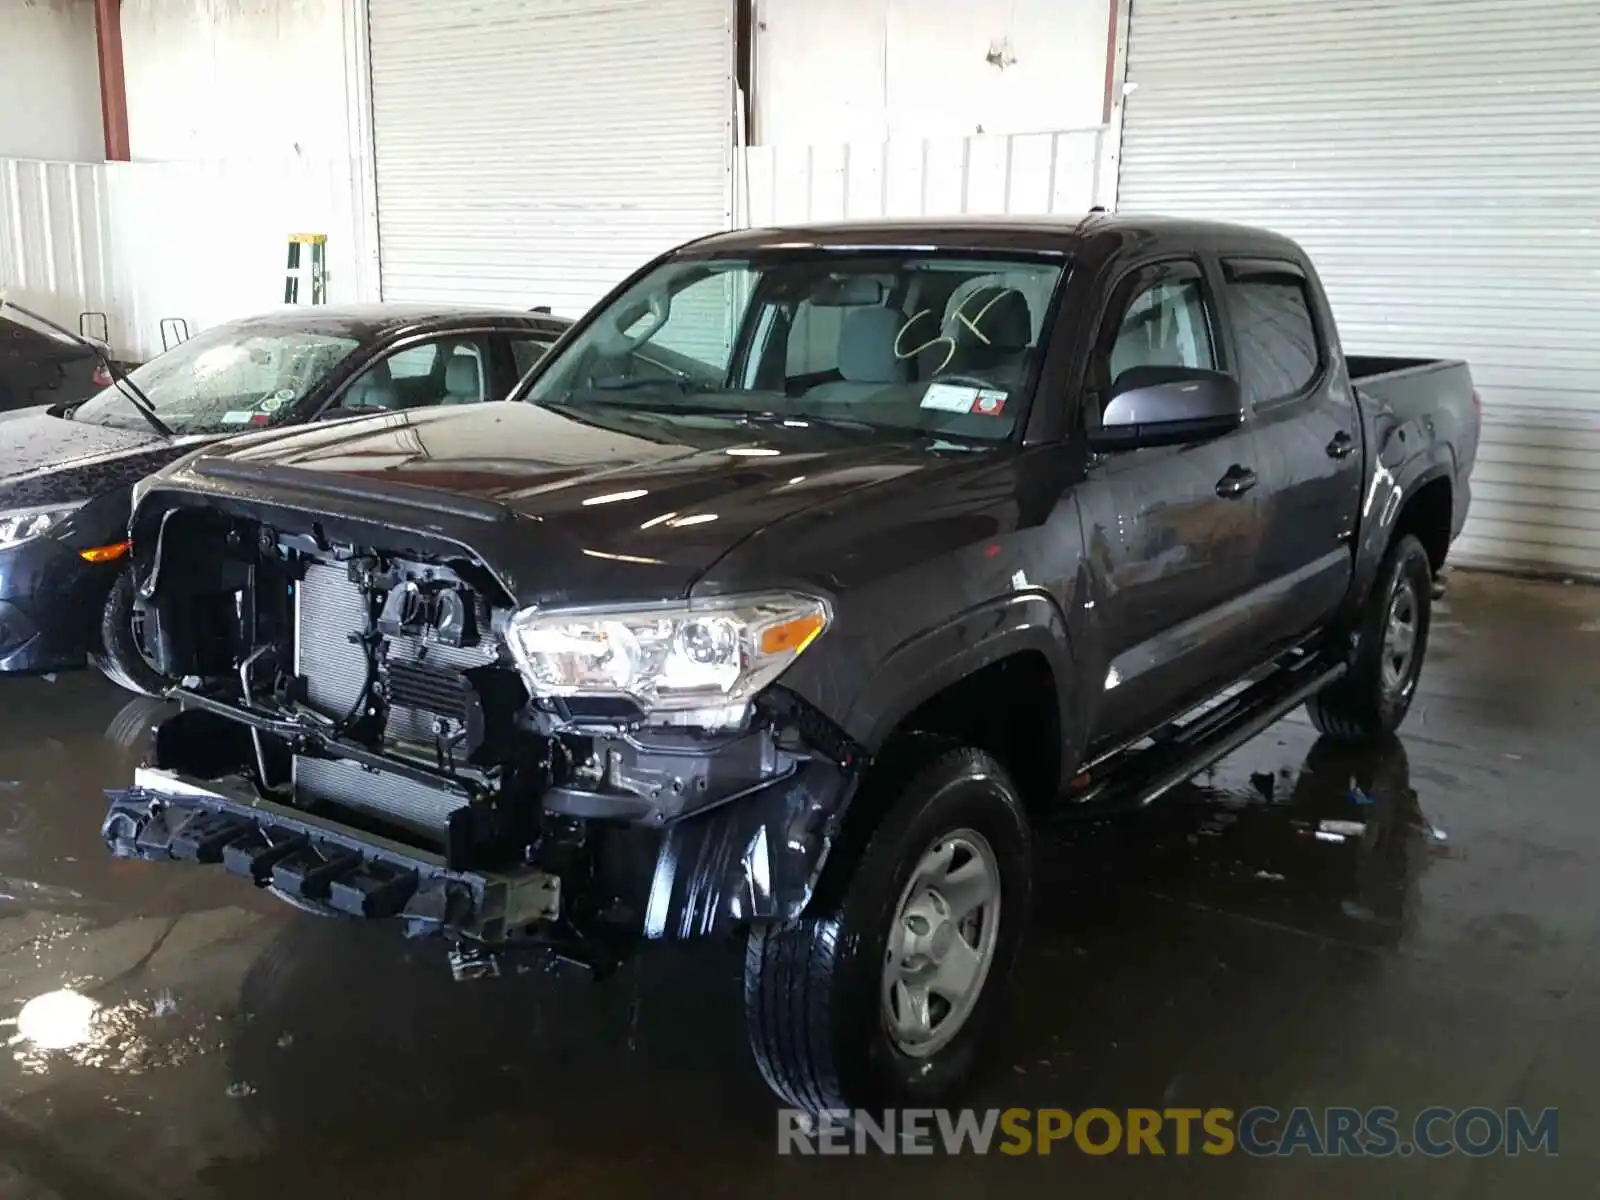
(1310, 452)
(1171, 531)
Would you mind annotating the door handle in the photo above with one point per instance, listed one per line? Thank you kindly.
(1236, 482)
(1342, 446)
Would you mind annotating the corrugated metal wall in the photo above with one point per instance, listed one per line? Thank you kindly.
(537, 152)
(1438, 158)
(142, 242)
(1033, 173)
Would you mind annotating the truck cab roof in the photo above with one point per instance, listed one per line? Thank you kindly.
(1052, 235)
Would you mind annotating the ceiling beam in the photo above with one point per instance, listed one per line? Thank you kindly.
(113, 84)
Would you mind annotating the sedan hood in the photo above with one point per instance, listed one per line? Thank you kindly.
(50, 460)
(636, 507)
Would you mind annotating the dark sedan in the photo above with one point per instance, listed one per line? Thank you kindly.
(66, 469)
(39, 365)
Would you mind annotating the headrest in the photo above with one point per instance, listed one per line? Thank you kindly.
(866, 346)
(461, 375)
(1000, 315)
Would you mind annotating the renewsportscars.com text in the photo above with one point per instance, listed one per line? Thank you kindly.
(1261, 1131)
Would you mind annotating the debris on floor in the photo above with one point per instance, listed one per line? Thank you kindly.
(1345, 829)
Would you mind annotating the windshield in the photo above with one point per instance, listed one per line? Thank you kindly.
(901, 341)
(224, 380)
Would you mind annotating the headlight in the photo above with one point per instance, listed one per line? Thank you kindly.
(706, 658)
(24, 524)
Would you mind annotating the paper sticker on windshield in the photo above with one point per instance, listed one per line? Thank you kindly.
(960, 398)
(989, 404)
(949, 397)
(237, 418)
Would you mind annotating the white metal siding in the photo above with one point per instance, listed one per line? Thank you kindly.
(537, 151)
(1440, 160)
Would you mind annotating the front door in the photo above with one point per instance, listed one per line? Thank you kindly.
(1171, 532)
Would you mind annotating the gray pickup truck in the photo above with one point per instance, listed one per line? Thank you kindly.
(932, 527)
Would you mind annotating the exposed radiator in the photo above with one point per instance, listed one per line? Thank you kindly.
(329, 609)
(391, 797)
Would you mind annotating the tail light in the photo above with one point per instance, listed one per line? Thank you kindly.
(102, 377)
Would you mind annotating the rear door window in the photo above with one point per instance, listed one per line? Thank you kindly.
(527, 350)
(449, 370)
(1274, 332)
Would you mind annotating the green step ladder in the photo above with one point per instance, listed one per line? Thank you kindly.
(317, 268)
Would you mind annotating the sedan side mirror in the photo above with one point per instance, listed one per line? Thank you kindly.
(1168, 406)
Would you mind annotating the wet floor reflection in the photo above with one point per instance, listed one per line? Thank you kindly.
(1305, 923)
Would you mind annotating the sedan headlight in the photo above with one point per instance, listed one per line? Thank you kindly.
(19, 525)
(691, 663)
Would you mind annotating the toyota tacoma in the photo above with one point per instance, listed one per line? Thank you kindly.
(953, 524)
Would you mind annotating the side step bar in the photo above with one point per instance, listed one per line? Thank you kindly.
(1135, 778)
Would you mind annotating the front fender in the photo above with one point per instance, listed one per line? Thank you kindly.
(928, 663)
(760, 856)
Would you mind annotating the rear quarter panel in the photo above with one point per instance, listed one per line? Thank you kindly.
(1419, 424)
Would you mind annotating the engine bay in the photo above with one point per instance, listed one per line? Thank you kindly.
(375, 688)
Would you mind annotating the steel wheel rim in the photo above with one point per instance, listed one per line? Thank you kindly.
(1401, 626)
(941, 943)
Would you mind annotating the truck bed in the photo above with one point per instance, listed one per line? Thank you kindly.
(1435, 395)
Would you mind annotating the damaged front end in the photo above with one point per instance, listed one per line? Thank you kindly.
(370, 725)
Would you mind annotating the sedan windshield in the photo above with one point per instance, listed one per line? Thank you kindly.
(900, 341)
(224, 380)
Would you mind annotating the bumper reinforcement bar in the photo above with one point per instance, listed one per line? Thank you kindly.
(165, 816)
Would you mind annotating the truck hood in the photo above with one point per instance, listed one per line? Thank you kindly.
(51, 460)
(601, 506)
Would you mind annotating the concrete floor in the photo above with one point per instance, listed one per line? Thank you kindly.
(1209, 953)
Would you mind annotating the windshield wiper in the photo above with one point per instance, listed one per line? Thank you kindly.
(126, 386)
(666, 408)
(632, 383)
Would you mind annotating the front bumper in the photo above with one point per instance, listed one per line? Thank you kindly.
(753, 856)
(50, 605)
(165, 816)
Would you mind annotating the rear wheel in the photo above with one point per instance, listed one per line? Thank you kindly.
(122, 658)
(1375, 695)
(884, 998)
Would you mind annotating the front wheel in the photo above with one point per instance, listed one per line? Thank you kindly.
(884, 999)
(1375, 695)
(122, 658)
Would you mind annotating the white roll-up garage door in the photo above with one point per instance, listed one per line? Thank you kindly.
(536, 151)
(1438, 159)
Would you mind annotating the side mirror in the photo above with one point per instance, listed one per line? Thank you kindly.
(1168, 406)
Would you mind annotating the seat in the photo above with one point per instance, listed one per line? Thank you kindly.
(463, 379)
(375, 389)
(993, 331)
(867, 362)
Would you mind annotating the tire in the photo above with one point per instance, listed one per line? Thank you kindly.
(1373, 698)
(120, 659)
(818, 1004)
